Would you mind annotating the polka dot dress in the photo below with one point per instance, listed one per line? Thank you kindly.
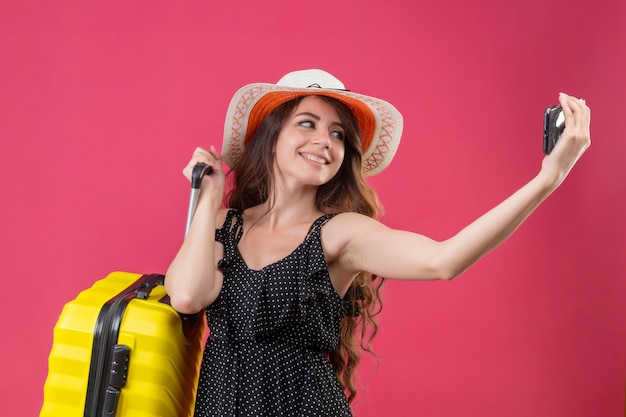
(270, 329)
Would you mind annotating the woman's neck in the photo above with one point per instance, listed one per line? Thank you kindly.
(283, 208)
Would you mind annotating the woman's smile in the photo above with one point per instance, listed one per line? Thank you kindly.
(314, 158)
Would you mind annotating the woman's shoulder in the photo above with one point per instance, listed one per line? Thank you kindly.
(341, 228)
(348, 219)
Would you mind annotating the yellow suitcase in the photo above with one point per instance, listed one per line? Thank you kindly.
(121, 350)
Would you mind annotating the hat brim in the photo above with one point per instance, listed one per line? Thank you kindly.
(379, 122)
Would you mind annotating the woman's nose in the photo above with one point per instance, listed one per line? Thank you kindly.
(322, 138)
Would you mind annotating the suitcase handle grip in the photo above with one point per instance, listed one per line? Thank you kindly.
(199, 171)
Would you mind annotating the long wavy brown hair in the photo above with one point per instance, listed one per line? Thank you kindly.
(347, 191)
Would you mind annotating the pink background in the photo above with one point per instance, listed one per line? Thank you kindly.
(102, 103)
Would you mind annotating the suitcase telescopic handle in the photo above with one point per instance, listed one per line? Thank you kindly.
(199, 170)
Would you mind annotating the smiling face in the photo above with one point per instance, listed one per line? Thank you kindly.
(310, 147)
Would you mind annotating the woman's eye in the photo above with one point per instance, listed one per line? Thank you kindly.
(306, 123)
(338, 134)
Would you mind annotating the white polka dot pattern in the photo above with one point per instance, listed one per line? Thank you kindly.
(270, 329)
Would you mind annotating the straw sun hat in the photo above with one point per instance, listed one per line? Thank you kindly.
(379, 122)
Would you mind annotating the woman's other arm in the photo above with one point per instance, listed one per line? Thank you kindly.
(193, 280)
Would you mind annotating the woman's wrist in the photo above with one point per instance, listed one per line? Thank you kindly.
(549, 180)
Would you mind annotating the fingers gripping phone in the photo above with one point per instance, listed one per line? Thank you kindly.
(553, 126)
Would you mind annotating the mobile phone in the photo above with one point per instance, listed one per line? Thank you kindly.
(553, 126)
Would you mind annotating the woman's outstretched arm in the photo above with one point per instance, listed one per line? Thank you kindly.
(372, 247)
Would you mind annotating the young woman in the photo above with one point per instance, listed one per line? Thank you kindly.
(288, 270)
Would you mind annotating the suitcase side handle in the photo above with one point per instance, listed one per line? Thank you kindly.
(148, 282)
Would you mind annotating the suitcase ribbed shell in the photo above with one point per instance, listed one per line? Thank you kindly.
(163, 364)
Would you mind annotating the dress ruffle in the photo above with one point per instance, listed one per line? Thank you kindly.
(308, 297)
